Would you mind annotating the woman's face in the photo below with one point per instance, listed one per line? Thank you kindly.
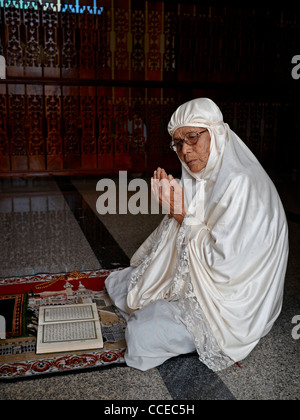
(195, 156)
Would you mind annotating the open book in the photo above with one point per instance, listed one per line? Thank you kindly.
(64, 328)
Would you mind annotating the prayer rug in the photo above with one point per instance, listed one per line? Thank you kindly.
(17, 354)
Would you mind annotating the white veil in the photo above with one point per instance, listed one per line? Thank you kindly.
(226, 264)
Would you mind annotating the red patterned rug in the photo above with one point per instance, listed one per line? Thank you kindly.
(17, 352)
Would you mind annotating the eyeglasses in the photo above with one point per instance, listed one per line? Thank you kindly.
(190, 139)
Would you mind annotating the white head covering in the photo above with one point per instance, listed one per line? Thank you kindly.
(226, 268)
(202, 112)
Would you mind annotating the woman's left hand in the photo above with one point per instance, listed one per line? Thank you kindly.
(169, 194)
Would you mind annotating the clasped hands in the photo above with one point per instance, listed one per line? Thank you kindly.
(169, 194)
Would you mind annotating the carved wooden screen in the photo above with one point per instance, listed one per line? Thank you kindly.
(91, 84)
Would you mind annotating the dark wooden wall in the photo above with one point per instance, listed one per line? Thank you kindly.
(91, 84)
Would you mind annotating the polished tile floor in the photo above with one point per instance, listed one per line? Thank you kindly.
(52, 225)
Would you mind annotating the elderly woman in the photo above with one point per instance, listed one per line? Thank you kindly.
(210, 278)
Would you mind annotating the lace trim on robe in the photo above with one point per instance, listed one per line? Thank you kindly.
(181, 290)
(143, 262)
(192, 314)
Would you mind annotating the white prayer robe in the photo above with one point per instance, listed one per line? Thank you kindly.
(225, 265)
